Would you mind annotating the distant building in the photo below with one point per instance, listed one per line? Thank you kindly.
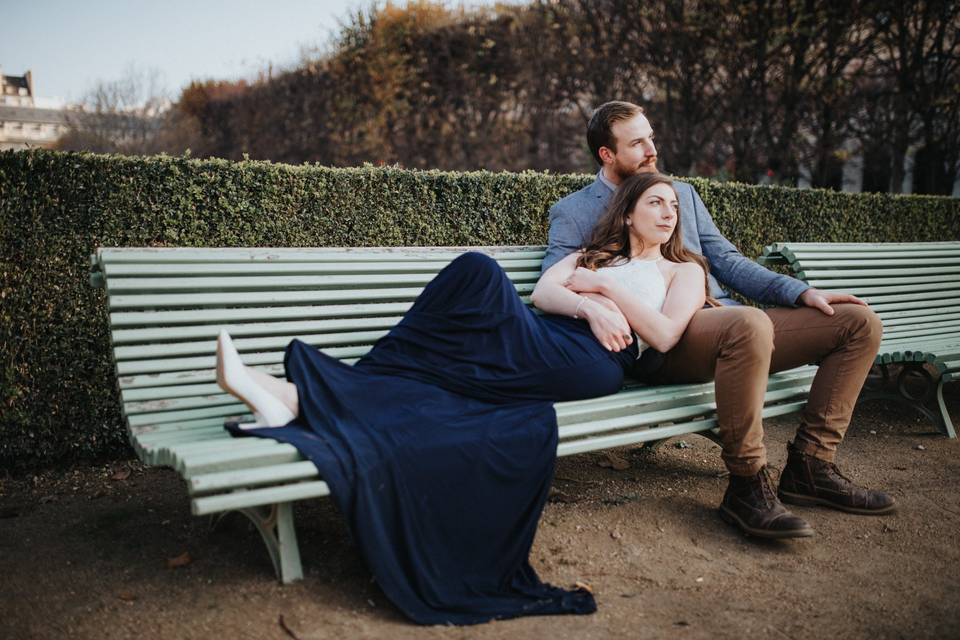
(23, 125)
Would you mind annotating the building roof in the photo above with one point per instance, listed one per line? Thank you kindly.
(17, 81)
(32, 114)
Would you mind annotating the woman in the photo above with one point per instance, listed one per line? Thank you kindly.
(439, 444)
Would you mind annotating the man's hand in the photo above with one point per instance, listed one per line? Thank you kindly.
(823, 300)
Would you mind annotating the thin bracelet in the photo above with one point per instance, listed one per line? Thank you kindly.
(576, 314)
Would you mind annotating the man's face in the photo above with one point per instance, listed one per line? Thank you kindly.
(635, 151)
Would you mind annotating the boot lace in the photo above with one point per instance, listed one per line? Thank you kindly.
(830, 470)
(766, 484)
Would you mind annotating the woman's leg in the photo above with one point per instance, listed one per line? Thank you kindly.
(234, 378)
(285, 391)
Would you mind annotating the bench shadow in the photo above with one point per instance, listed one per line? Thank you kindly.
(334, 571)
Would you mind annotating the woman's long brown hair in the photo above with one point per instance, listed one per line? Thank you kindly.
(610, 242)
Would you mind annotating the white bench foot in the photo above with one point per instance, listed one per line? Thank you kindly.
(947, 424)
(275, 524)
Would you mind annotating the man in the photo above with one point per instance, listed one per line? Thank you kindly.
(738, 346)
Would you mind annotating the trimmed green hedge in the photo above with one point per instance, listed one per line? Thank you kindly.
(57, 388)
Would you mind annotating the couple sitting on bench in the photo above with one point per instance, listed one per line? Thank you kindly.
(439, 445)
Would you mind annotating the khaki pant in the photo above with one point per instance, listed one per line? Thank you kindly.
(739, 347)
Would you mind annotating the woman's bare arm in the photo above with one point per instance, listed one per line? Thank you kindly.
(551, 295)
(660, 329)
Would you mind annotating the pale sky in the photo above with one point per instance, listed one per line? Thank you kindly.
(71, 45)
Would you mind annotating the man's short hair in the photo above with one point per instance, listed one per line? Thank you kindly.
(599, 129)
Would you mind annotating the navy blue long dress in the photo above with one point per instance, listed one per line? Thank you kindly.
(439, 445)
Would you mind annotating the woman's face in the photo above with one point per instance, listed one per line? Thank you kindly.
(654, 217)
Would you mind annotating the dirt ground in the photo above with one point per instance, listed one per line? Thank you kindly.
(99, 552)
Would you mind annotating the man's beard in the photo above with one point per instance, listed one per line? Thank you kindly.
(626, 171)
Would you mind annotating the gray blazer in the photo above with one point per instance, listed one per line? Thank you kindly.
(572, 220)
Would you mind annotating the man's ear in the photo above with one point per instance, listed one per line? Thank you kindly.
(606, 155)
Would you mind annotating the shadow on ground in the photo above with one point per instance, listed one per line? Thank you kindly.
(113, 552)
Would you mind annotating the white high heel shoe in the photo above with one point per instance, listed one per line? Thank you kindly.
(234, 379)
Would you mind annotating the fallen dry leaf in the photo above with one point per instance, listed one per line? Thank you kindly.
(286, 628)
(583, 585)
(614, 461)
(121, 474)
(181, 560)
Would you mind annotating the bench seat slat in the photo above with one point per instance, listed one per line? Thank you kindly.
(679, 395)
(635, 437)
(207, 447)
(219, 462)
(256, 497)
(274, 474)
(163, 437)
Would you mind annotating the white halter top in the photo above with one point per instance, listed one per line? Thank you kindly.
(643, 278)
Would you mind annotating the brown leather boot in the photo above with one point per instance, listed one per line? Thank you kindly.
(807, 480)
(751, 504)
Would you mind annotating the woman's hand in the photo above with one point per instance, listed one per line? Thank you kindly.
(583, 280)
(609, 326)
(604, 301)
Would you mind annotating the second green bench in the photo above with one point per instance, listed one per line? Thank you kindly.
(915, 289)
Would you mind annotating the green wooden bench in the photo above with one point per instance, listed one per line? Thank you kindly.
(167, 306)
(915, 289)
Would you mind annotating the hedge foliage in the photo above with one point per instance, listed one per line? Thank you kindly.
(58, 393)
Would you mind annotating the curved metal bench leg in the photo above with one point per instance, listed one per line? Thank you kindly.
(946, 423)
(653, 445)
(275, 524)
(917, 400)
(712, 435)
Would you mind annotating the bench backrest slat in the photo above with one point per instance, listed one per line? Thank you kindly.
(167, 306)
(913, 287)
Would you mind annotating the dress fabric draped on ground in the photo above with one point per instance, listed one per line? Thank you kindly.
(439, 445)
